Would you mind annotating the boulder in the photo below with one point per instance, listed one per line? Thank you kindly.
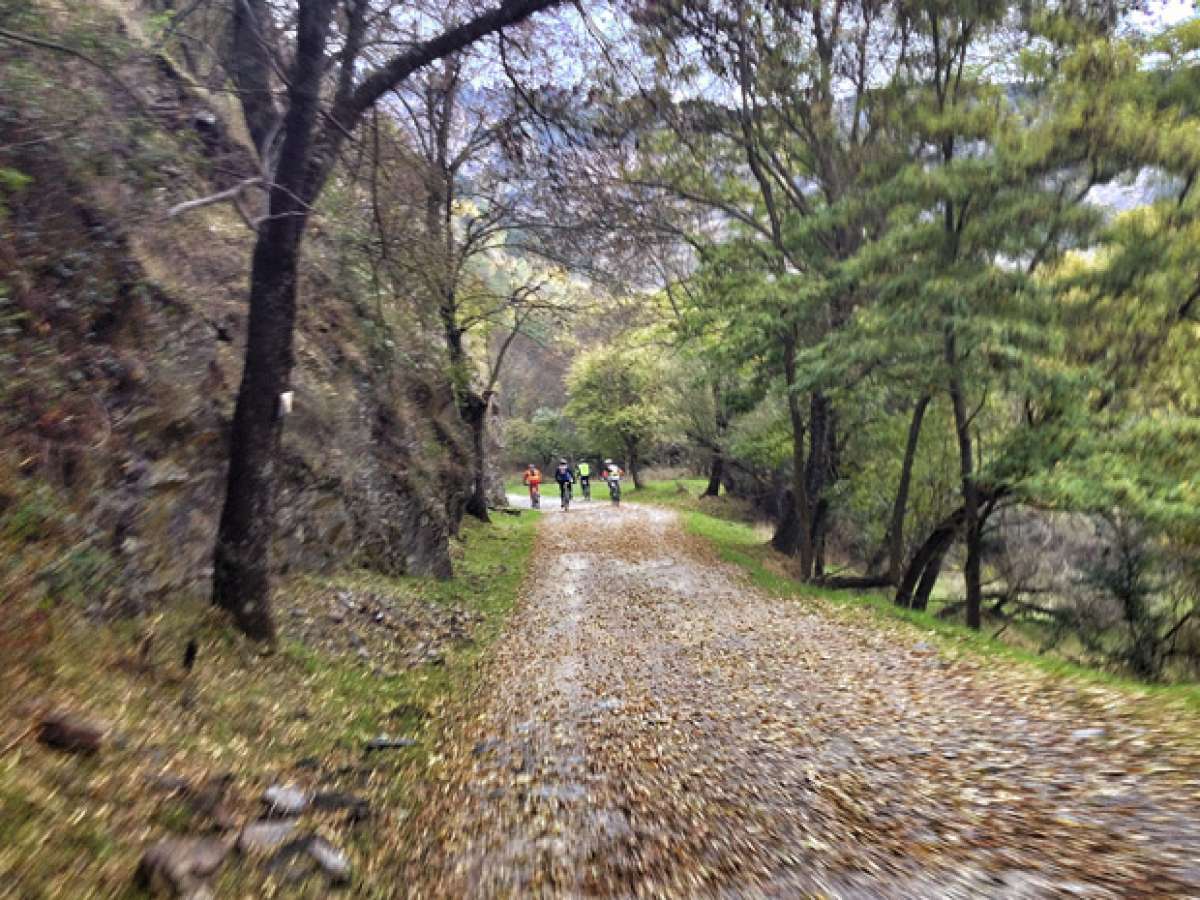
(264, 835)
(181, 866)
(333, 862)
(285, 800)
(67, 731)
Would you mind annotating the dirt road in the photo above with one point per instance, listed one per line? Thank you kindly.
(653, 726)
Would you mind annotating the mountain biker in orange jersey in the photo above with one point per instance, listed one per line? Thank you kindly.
(533, 480)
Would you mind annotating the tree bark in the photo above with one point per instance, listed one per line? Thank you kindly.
(635, 469)
(241, 560)
(971, 526)
(928, 558)
(716, 470)
(900, 506)
(793, 535)
(475, 412)
(816, 473)
(250, 70)
(819, 531)
(929, 577)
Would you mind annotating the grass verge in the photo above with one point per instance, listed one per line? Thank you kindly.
(74, 826)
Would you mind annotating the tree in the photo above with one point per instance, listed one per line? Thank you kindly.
(468, 146)
(801, 124)
(614, 404)
(298, 138)
(991, 196)
(543, 437)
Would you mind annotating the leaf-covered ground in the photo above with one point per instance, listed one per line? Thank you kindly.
(654, 725)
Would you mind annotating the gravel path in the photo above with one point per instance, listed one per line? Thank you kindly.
(652, 726)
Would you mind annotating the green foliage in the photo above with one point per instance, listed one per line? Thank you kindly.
(934, 252)
(546, 435)
(762, 437)
(13, 181)
(874, 453)
(613, 399)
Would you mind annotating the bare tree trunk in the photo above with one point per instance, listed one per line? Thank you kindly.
(926, 562)
(820, 528)
(793, 535)
(816, 474)
(474, 411)
(929, 577)
(715, 470)
(241, 560)
(635, 469)
(900, 507)
(972, 530)
(250, 69)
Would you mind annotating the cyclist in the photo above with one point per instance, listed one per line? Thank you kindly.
(533, 479)
(612, 473)
(584, 471)
(565, 479)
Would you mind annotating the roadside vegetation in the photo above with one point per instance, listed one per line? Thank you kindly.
(361, 657)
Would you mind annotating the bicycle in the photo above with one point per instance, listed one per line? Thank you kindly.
(614, 490)
(564, 490)
(535, 497)
(585, 485)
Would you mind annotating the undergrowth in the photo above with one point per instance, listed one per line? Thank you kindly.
(73, 826)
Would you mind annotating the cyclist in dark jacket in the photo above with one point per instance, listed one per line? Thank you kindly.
(565, 478)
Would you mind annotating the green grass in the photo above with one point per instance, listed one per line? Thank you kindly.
(741, 545)
(74, 827)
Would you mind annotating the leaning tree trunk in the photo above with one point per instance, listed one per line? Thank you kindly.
(716, 470)
(923, 568)
(900, 507)
(242, 559)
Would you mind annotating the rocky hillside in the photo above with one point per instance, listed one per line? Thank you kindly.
(121, 338)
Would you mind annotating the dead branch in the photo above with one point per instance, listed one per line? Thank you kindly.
(230, 195)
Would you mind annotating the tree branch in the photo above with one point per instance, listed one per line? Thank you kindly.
(231, 194)
(392, 73)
